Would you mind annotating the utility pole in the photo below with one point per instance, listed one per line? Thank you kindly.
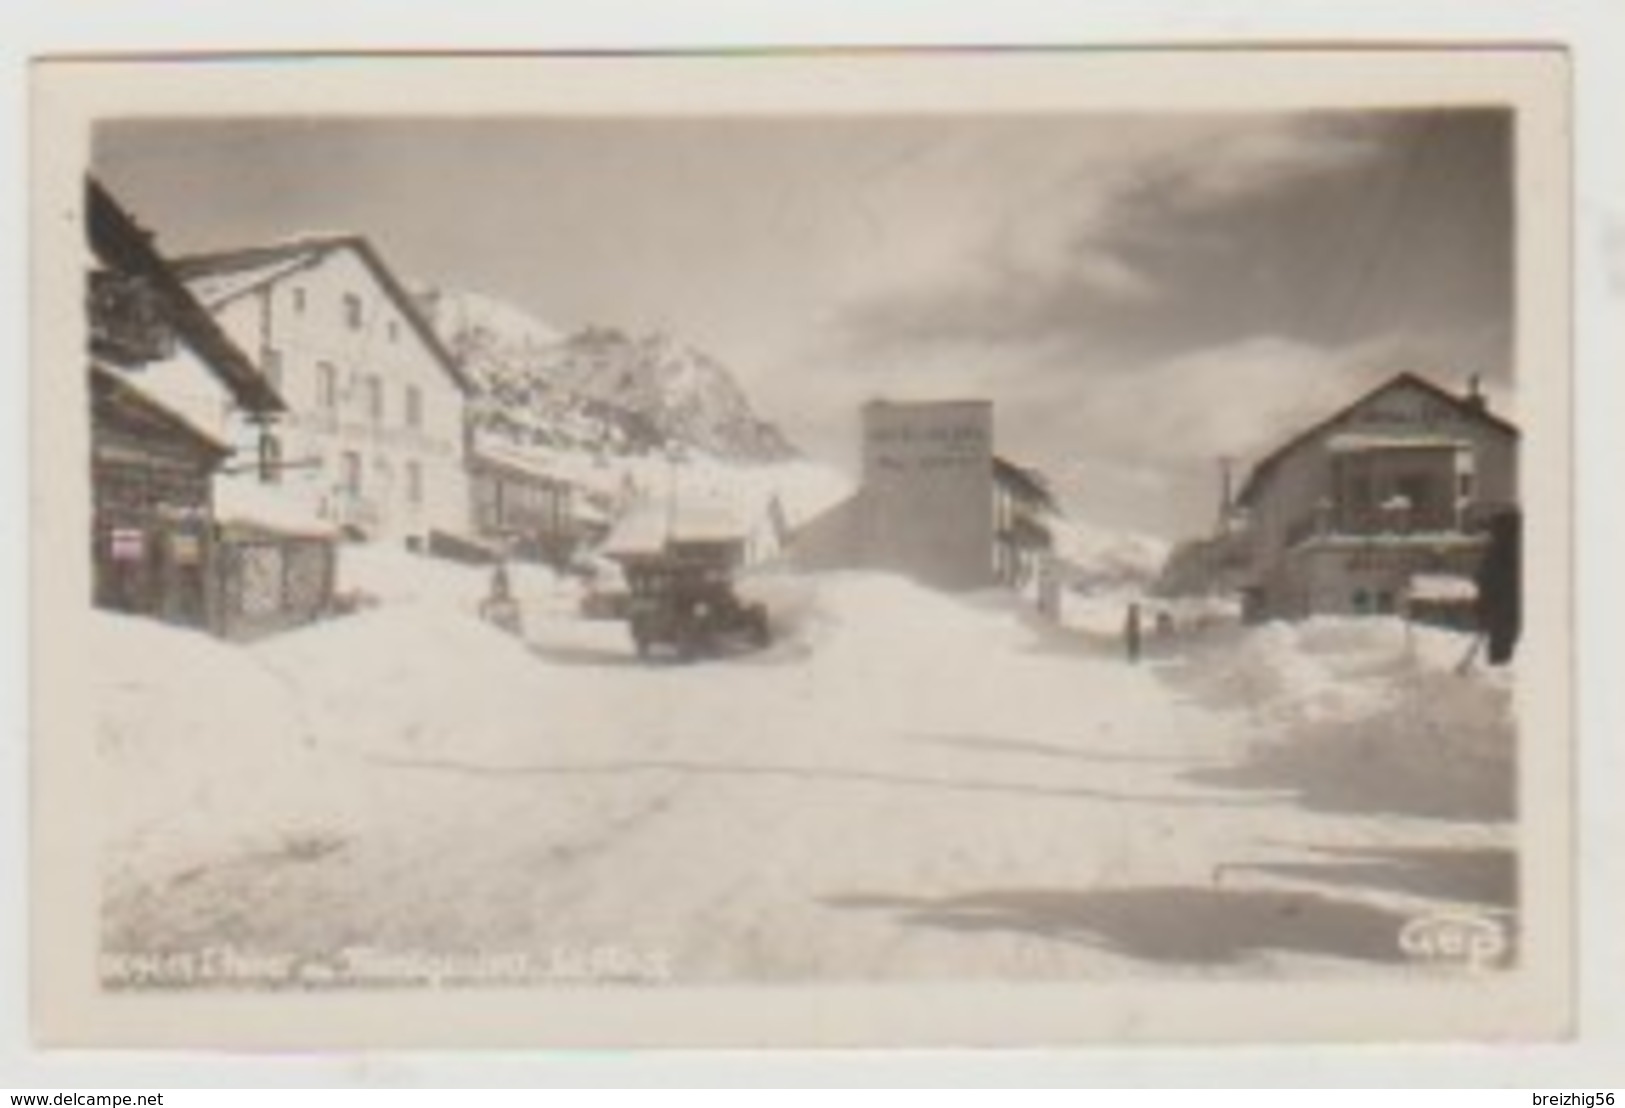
(1226, 492)
(674, 458)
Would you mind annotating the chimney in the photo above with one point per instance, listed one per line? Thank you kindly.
(1475, 393)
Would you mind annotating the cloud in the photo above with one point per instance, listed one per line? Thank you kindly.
(1070, 247)
(1230, 401)
(1240, 399)
(1255, 161)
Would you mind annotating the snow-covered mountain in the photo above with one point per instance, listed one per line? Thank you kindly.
(600, 389)
(1097, 557)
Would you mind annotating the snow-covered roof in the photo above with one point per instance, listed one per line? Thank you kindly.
(583, 510)
(248, 502)
(124, 248)
(525, 461)
(1441, 587)
(215, 289)
(648, 527)
(1354, 442)
(1429, 539)
(564, 466)
(113, 391)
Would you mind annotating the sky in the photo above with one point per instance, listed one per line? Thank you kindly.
(1142, 296)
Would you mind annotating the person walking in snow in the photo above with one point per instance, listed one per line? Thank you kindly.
(1131, 632)
(499, 607)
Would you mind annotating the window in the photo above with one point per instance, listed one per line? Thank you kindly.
(414, 407)
(352, 311)
(1418, 495)
(270, 458)
(414, 482)
(392, 330)
(375, 398)
(299, 299)
(271, 366)
(327, 386)
(1360, 491)
(350, 476)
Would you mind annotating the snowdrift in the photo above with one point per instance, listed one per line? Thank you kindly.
(250, 750)
(883, 615)
(204, 750)
(1371, 707)
(406, 678)
(386, 574)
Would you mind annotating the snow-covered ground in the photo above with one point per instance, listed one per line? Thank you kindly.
(906, 785)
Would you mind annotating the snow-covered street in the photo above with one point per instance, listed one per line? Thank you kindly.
(906, 785)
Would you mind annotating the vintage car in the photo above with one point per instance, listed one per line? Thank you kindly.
(691, 609)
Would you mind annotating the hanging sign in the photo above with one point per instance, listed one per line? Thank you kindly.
(185, 549)
(129, 544)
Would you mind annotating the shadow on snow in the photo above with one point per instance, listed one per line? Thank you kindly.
(1167, 924)
(1485, 876)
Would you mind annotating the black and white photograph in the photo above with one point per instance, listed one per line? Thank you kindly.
(556, 550)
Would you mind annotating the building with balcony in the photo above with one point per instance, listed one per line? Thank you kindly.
(1378, 504)
(532, 505)
(1023, 509)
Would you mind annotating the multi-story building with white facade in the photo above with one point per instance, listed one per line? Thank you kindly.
(374, 436)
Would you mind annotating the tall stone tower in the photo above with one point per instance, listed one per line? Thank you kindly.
(926, 506)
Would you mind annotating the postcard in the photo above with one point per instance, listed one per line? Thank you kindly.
(802, 549)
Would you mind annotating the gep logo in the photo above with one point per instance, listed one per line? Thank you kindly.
(1462, 938)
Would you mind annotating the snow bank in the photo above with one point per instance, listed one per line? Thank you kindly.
(880, 611)
(389, 574)
(1375, 699)
(1301, 672)
(410, 678)
(1337, 668)
(1102, 613)
(218, 750)
(204, 750)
